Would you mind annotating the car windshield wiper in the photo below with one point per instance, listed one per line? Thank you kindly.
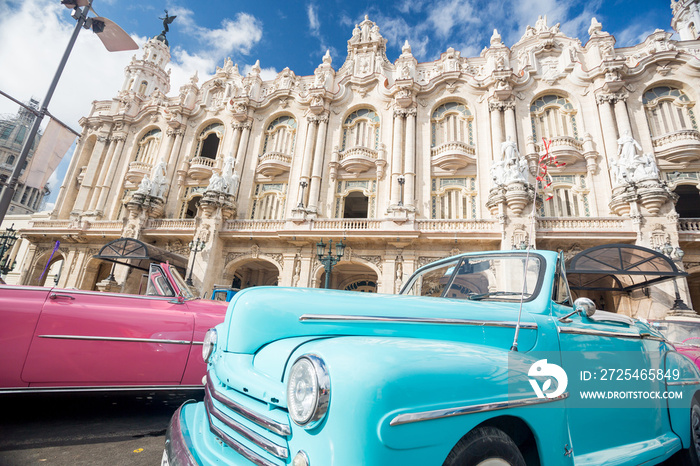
(496, 293)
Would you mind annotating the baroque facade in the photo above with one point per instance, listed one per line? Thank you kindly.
(13, 130)
(404, 162)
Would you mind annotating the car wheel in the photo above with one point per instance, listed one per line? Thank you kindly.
(485, 446)
(691, 456)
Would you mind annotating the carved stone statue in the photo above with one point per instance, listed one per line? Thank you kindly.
(627, 148)
(216, 183)
(159, 179)
(512, 167)
(230, 177)
(144, 186)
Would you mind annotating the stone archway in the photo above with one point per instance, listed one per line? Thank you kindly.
(248, 272)
(53, 269)
(693, 281)
(350, 276)
(95, 271)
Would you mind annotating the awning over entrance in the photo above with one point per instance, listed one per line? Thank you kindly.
(619, 267)
(134, 251)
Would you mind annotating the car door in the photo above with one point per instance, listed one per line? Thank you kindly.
(91, 338)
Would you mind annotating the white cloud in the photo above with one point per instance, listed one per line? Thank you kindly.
(31, 47)
(449, 14)
(266, 74)
(314, 24)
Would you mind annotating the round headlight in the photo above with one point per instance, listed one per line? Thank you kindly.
(209, 344)
(308, 391)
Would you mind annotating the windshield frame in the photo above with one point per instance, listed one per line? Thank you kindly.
(458, 261)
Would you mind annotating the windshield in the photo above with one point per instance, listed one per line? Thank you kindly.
(492, 277)
(680, 332)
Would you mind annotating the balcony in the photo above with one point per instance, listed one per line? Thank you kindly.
(358, 159)
(678, 147)
(451, 156)
(137, 170)
(200, 168)
(272, 164)
(566, 149)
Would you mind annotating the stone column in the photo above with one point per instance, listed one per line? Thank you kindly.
(102, 174)
(607, 122)
(85, 192)
(315, 185)
(108, 180)
(410, 159)
(496, 127)
(396, 165)
(308, 154)
(511, 130)
(243, 144)
(623, 119)
(235, 140)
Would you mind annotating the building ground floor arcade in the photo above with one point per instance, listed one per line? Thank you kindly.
(380, 255)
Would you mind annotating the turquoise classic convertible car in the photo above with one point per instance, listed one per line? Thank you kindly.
(482, 360)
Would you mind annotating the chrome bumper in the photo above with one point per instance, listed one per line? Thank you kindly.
(178, 446)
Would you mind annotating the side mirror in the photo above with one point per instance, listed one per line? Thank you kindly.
(581, 306)
(584, 306)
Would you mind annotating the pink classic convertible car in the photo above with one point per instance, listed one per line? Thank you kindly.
(55, 339)
(684, 333)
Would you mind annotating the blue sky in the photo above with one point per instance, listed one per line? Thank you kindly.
(294, 34)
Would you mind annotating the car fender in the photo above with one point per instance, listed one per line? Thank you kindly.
(398, 376)
(688, 385)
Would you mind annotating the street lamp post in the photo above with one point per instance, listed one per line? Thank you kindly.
(401, 180)
(328, 260)
(195, 246)
(7, 240)
(112, 36)
(303, 185)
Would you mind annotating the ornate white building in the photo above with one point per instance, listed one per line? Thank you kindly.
(404, 162)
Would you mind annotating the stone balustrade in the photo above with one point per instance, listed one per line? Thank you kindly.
(456, 225)
(689, 224)
(678, 147)
(171, 224)
(453, 155)
(253, 225)
(583, 223)
(274, 163)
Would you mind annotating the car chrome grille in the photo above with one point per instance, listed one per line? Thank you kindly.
(259, 438)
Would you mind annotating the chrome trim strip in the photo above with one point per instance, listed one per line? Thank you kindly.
(239, 447)
(462, 410)
(414, 320)
(111, 388)
(598, 333)
(680, 384)
(264, 422)
(264, 443)
(132, 340)
(113, 295)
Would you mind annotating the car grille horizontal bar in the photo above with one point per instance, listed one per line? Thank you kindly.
(263, 421)
(234, 418)
(267, 445)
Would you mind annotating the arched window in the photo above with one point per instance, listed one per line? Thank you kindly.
(142, 87)
(208, 141)
(148, 147)
(569, 197)
(453, 198)
(668, 110)
(553, 116)
(451, 122)
(361, 129)
(190, 210)
(688, 204)
(268, 201)
(356, 205)
(280, 136)
(11, 159)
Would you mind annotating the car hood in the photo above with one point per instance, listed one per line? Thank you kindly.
(261, 315)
